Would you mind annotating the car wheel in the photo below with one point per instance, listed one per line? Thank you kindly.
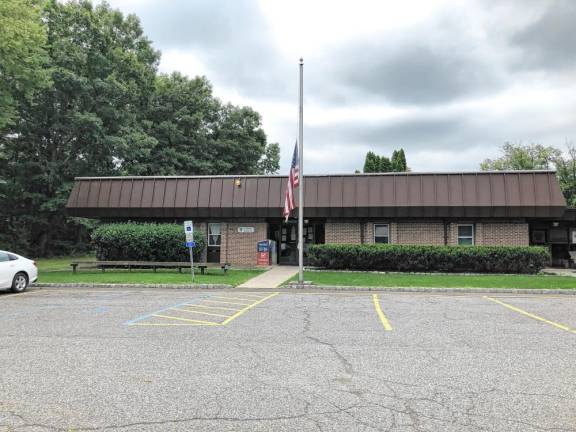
(20, 283)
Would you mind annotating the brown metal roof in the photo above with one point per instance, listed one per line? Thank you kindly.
(476, 194)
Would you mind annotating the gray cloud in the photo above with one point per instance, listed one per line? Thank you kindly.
(453, 57)
(550, 41)
(230, 37)
(415, 73)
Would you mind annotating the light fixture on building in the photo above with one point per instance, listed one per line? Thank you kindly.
(238, 183)
(555, 224)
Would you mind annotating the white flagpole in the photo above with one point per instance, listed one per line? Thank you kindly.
(301, 179)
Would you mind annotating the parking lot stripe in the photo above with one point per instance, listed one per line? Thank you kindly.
(237, 314)
(381, 315)
(200, 312)
(531, 315)
(256, 296)
(167, 324)
(186, 319)
(212, 307)
(223, 302)
(143, 317)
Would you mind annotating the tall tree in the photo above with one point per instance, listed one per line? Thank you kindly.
(535, 157)
(371, 163)
(399, 161)
(89, 118)
(197, 134)
(270, 162)
(385, 165)
(523, 157)
(382, 164)
(22, 56)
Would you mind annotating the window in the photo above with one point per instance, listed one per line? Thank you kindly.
(12, 257)
(214, 234)
(466, 234)
(381, 233)
(4, 257)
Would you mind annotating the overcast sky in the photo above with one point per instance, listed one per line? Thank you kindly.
(449, 81)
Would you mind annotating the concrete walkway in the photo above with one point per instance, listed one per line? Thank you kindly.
(559, 272)
(272, 278)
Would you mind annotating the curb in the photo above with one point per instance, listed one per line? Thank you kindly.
(463, 290)
(127, 286)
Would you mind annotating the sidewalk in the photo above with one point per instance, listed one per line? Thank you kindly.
(560, 272)
(273, 278)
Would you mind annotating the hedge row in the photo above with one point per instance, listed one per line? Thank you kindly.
(449, 259)
(144, 242)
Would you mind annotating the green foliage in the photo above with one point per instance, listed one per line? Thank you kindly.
(22, 56)
(566, 172)
(103, 110)
(523, 157)
(198, 135)
(387, 257)
(382, 164)
(536, 156)
(371, 163)
(144, 242)
(399, 161)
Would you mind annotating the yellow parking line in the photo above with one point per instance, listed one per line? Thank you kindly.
(246, 299)
(186, 319)
(198, 312)
(254, 296)
(383, 318)
(237, 314)
(232, 298)
(166, 324)
(531, 315)
(213, 307)
(223, 302)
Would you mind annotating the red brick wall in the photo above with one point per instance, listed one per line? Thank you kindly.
(429, 233)
(420, 233)
(342, 232)
(494, 234)
(239, 249)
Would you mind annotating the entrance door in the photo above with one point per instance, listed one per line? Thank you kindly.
(214, 240)
(288, 253)
(286, 237)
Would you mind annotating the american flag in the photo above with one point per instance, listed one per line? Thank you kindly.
(293, 182)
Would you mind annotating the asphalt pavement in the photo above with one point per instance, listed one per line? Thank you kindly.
(273, 360)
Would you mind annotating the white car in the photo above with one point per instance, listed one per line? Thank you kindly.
(16, 272)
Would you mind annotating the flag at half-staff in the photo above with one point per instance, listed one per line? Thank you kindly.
(293, 182)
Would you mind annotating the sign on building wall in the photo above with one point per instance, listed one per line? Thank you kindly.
(245, 230)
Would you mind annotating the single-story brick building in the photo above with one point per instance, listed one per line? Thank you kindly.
(235, 212)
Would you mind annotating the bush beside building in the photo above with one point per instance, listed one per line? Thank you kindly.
(144, 242)
(449, 259)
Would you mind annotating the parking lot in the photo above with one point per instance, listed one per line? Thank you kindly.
(178, 360)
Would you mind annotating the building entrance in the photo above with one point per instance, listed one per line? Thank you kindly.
(286, 236)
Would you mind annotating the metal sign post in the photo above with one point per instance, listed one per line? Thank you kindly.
(190, 243)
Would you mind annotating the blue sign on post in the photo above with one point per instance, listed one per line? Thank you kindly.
(191, 244)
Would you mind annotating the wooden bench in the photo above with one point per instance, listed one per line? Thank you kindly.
(103, 265)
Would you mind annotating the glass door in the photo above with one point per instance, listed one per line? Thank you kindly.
(214, 241)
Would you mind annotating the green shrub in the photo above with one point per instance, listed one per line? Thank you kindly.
(144, 242)
(473, 259)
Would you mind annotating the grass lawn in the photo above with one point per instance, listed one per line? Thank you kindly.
(215, 276)
(60, 263)
(58, 270)
(438, 281)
